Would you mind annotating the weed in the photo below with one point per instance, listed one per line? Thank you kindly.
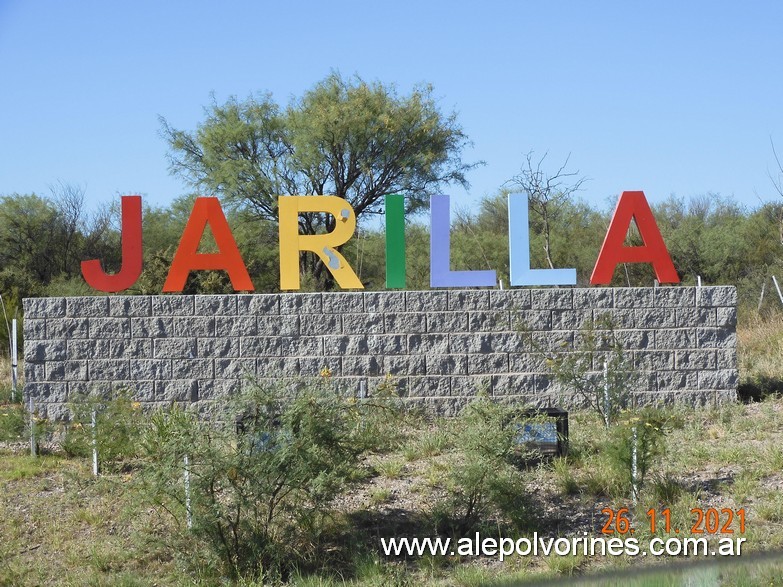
(380, 496)
(565, 478)
(390, 468)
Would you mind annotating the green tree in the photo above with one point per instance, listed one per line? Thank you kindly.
(349, 138)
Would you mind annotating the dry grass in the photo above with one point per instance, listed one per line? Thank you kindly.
(760, 347)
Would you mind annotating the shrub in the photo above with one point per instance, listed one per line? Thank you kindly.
(598, 369)
(484, 482)
(646, 430)
(261, 482)
(119, 424)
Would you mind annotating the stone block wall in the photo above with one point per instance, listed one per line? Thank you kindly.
(441, 346)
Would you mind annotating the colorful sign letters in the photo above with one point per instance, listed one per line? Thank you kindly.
(632, 206)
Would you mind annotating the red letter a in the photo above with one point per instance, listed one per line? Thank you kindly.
(187, 258)
(130, 270)
(633, 206)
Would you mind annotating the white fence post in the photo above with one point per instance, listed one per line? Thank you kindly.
(14, 349)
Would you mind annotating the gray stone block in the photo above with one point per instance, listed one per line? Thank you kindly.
(177, 390)
(236, 326)
(65, 328)
(531, 320)
(43, 307)
(343, 302)
(719, 379)
(471, 385)
(277, 366)
(426, 301)
(361, 366)
(110, 328)
(152, 327)
(716, 338)
(215, 305)
(509, 299)
(552, 299)
(217, 389)
(44, 350)
(34, 372)
(515, 385)
(428, 387)
(468, 300)
(345, 344)
(635, 339)
(87, 349)
(623, 318)
(696, 360)
(405, 323)
(66, 370)
(50, 392)
(386, 301)
(704, 317)
(150, 369)
(489, 363)
(446, 364)
(35, 328)
(527, 362)
(175, 348)
(447, 322)
(109, 370)
(315, 366)
(593, 298)
(428, 343)
(217, 347)
(200, 326)
(301, 303)
(85, 307)
(571, 319)
(235, 368)
(362, 324)
(278, 325)
(677, 380)
(130, 306)
(319, 324)
(676, 338)
(131, 348)
(726, 317)
(302, 346)
(387, 344)
(172, 305)
(553, 340)
(402, 365)
(655, 360)
(675, 297)
(726, 358)
(193, 369)
(258, 304)
(634, 297)
(655, 318)
(717, 295)
(260, 346)
(490, 321)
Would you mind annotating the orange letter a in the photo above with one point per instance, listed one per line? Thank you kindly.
(187, 258)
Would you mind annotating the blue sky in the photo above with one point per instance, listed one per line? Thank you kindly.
(666, 97)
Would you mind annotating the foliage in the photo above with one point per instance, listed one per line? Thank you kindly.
(598, 369)
(349, 138)
(119, 425)
(13, 420)
(484, 483)
(646, 429)
(262, 488)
